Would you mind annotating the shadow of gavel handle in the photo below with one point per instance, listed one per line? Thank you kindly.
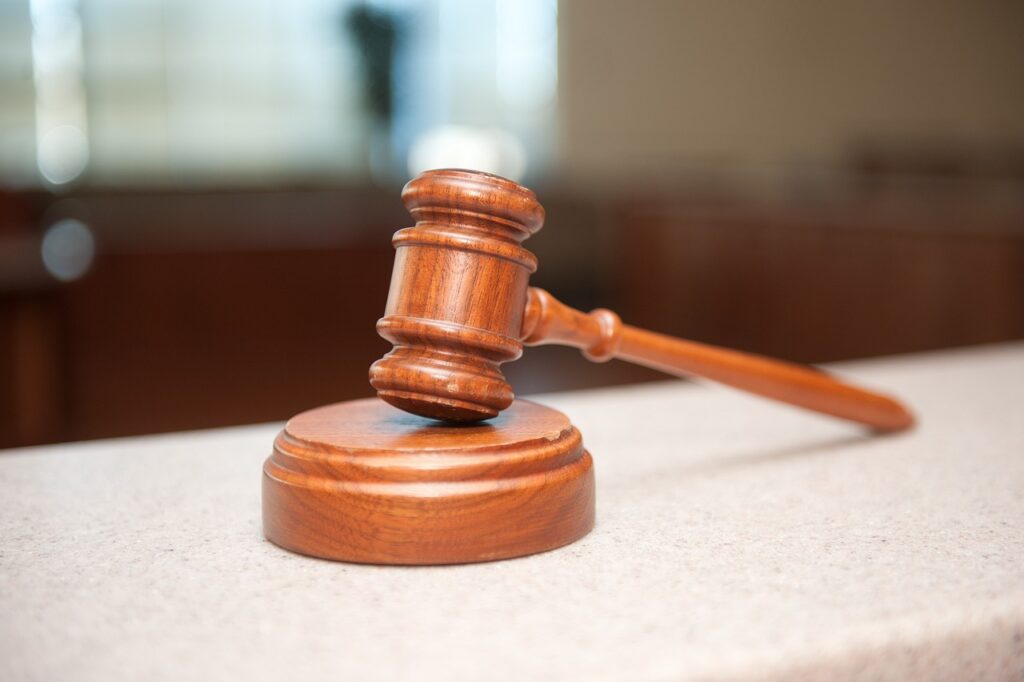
(602, 336)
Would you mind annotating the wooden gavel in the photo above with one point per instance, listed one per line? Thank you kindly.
(460, 304)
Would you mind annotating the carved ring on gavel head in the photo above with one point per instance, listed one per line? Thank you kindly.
(460, 304)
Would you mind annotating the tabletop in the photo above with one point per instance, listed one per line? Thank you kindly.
(736, 539)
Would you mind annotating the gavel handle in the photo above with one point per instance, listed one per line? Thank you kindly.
(602, 336)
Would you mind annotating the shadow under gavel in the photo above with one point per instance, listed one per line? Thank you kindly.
(460, 304)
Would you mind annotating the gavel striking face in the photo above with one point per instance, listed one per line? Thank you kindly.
(460, 304)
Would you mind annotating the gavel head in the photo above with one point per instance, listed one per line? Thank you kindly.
(458, 294)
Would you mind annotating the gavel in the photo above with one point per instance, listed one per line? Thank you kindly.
(460, 305)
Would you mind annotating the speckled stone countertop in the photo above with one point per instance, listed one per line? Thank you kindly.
(735, 539)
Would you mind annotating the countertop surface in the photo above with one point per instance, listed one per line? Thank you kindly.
(735, 539)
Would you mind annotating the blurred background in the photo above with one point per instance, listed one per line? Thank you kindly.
(197, 196)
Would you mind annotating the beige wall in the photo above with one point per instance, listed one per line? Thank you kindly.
(652, 85)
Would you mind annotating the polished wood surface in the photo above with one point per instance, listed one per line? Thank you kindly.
(460, 305)
(457, 295)
(361, 481)
(601, 336)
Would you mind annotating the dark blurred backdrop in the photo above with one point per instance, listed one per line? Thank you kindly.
(197, 196)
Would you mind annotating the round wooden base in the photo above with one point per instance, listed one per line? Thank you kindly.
(362, 481)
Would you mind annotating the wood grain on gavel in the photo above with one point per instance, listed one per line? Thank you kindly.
(460, 305)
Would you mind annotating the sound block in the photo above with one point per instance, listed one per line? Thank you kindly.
(364, 482)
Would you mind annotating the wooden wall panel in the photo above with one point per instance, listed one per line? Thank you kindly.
(814, 288)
